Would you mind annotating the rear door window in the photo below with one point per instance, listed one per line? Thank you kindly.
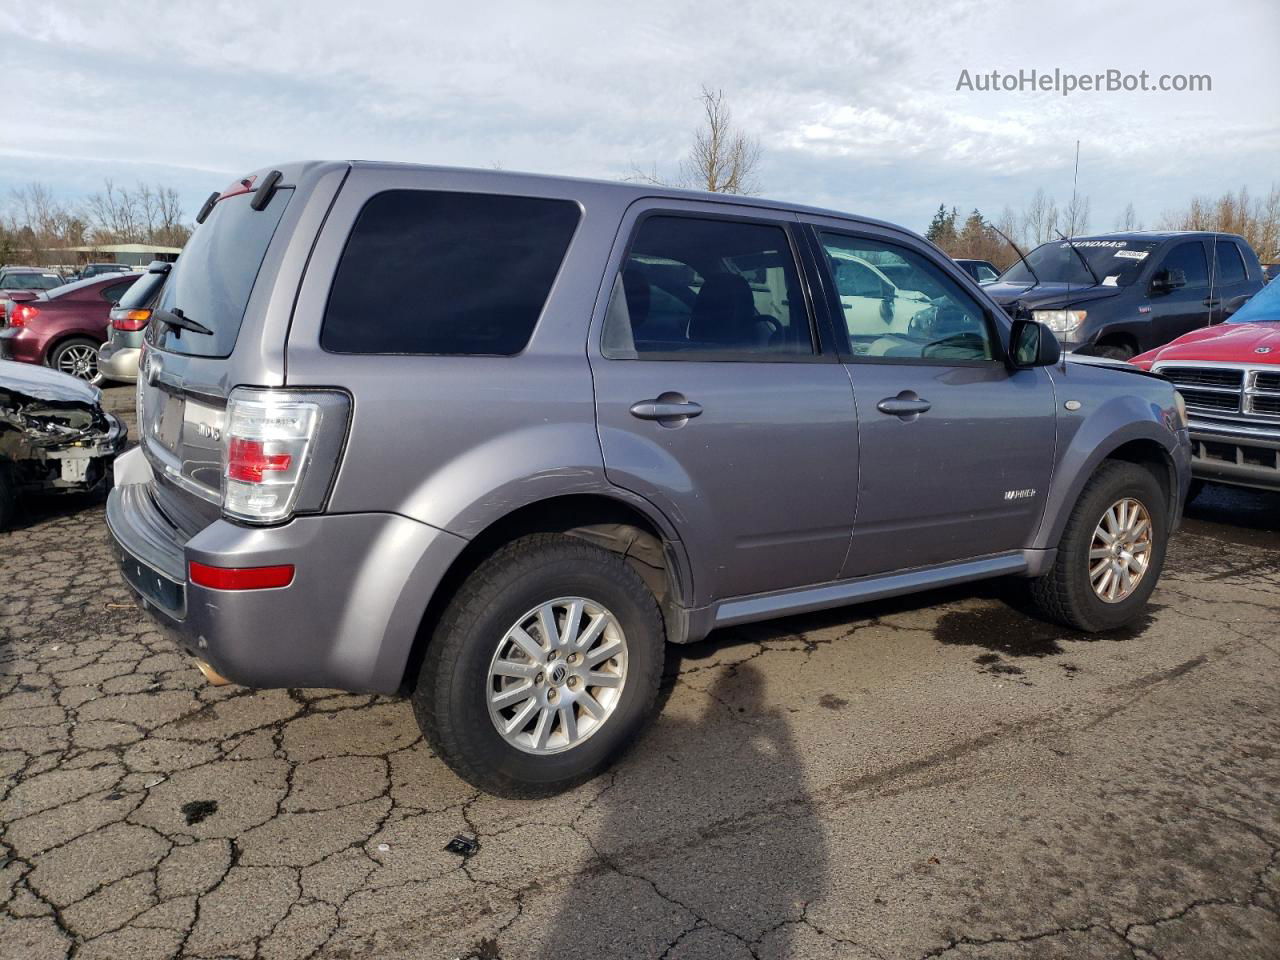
(1229, 266)
(708, 289)
(434, 272)
(212, 280)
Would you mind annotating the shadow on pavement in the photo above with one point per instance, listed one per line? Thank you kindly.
(740, 878)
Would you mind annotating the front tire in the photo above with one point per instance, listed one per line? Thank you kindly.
(543, 669)
(8, 497)
(1111, 552)
(1116, 351)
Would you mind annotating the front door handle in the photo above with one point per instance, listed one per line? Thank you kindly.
(906, 405)
(666, 409)
(1211, 301)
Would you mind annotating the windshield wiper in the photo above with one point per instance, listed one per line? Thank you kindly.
(1021, 256)
(1076, 251)
(180, 321)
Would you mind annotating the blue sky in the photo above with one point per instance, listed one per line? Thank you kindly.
(855, 104)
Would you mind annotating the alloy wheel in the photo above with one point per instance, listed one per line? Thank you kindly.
(1120, 551)
(79, 360)
(557, 675)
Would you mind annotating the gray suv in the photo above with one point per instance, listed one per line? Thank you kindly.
(494, 440)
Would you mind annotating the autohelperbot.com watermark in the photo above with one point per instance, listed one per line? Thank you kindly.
(1065, 82)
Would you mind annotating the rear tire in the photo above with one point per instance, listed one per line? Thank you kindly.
(77, 357)
(1071, 593)
(483, 689)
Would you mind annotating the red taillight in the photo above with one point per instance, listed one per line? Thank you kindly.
(23, 314)
(240, 578)
(248, 460)
(130, 320)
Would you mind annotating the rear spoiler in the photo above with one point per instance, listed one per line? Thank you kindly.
(261, 195)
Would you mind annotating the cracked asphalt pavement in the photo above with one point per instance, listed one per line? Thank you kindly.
(933, 776)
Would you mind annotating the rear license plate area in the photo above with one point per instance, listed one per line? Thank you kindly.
(168, 595)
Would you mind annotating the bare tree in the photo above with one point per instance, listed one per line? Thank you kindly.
(1128, 220)
(722, 159)
(1041, 219)
(1077, 215)
(1255, 219)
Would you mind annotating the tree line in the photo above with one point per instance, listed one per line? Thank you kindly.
(36, 226)
(1257, 219)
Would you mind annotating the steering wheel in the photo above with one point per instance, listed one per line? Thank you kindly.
(775, 325)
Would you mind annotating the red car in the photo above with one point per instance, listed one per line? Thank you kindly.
(63, 327)
(1229, 377)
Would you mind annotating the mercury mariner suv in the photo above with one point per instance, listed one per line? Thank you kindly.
(494, 440)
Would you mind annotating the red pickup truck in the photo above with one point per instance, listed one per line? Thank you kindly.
(1229, 377)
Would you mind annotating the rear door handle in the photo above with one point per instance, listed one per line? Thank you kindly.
(906, 405)
(1211, 301)
(663, 409)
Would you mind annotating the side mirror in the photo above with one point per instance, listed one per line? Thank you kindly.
(1234, 304)
(1166, 281)
(1033, 345)
(22, 296)
(887, 291)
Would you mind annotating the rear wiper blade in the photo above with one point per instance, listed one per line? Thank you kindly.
(179, 320)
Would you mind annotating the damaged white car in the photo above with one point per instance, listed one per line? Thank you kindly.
(55, 436)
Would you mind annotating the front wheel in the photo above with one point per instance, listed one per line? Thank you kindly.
(79, 358)
(1111, 551)
(544, 667)
(1115, 351)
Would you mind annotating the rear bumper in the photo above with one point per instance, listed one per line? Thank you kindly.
(119, 363)
(1241, 455)
(348, 620)
(22, 344)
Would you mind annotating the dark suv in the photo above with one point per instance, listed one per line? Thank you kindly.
(1122, 294)
(495, 440)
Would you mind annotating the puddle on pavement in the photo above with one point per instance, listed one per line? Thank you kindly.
(1010, 634)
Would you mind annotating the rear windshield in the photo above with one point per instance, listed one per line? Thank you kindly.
(429, 272)
(212, 280)
(139, 295)
(32, 281)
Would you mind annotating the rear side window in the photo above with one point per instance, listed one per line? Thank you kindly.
(430, 272)
(115, 291)
(212, 280)
(1230, 265)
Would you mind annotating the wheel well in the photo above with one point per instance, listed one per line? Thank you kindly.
(53, 345)
(612, 524)
(1119, 340)
(1149, 454)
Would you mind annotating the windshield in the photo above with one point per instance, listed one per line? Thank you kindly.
(1116, 262)
(210, 284)
(32, 281)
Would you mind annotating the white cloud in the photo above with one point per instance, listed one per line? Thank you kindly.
(855, 104)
